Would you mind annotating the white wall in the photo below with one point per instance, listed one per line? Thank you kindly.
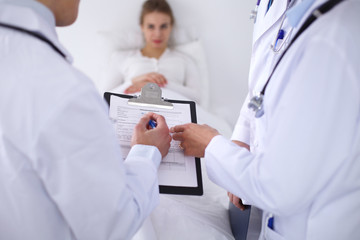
(224, 28)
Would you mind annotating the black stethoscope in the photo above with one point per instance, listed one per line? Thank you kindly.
(34, 34)
(257, 102)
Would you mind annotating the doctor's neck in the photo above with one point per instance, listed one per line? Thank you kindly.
(65, 12)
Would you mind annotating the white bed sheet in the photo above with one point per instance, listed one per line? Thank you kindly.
(180, 217)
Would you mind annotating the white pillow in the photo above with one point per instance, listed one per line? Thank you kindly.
(195, 51)
(132, 38)
(125, 39)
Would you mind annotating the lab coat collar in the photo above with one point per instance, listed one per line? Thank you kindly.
(32, 16)
(297, 14)
(266, 19)
(37, 7)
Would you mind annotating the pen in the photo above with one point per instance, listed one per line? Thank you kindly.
(152, 124)
(269, 5)
(271, 222)
(281, 36)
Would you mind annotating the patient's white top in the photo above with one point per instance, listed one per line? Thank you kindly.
(62, 175)
(180, 71)
(306, 171)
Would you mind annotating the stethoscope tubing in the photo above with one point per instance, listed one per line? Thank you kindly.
(256, 102)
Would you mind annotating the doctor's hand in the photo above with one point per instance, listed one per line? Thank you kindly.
(140, 81)
(236, 201)
(158, 136)
(194, 138)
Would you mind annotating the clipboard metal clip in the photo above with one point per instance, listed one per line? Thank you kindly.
(150, 97)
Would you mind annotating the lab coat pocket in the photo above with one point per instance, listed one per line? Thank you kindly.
(270, 234)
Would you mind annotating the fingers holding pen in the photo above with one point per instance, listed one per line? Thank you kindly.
(161, 133)
(143, 122)
(159, 119)
(158, 136)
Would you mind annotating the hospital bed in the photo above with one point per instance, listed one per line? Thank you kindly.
(217, 35)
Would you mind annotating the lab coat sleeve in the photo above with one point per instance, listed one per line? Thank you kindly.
(310, 125)
(242, 127)
(98, 194)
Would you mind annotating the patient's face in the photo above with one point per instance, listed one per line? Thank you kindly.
(156, 29)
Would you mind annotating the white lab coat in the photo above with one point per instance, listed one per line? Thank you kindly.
(263, 60)
(305, 170)
(61, 171)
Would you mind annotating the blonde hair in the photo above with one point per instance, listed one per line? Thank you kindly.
(161, 6)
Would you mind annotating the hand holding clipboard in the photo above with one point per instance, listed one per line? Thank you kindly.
(178, 174)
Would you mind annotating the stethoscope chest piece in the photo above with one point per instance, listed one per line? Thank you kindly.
(256, 104)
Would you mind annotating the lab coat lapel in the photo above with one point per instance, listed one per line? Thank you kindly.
(266, 20)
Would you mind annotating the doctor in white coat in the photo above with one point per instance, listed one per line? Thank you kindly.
(305, 173)
(62, 175)
(268, 21)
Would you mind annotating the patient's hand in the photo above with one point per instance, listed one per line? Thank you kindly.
(158, 137)
(134, 88)
(140, 81)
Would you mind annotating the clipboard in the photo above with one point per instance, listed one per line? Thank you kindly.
(150, 98)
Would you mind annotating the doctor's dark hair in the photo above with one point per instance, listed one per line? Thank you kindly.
(160, 6)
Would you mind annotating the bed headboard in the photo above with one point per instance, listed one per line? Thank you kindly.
(223, 27)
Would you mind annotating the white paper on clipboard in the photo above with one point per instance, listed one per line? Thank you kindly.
(175, 169)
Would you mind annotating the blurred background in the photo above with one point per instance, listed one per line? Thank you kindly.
(223, 26)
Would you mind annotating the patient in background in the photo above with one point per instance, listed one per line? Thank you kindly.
(177, 216)
(156, 62)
